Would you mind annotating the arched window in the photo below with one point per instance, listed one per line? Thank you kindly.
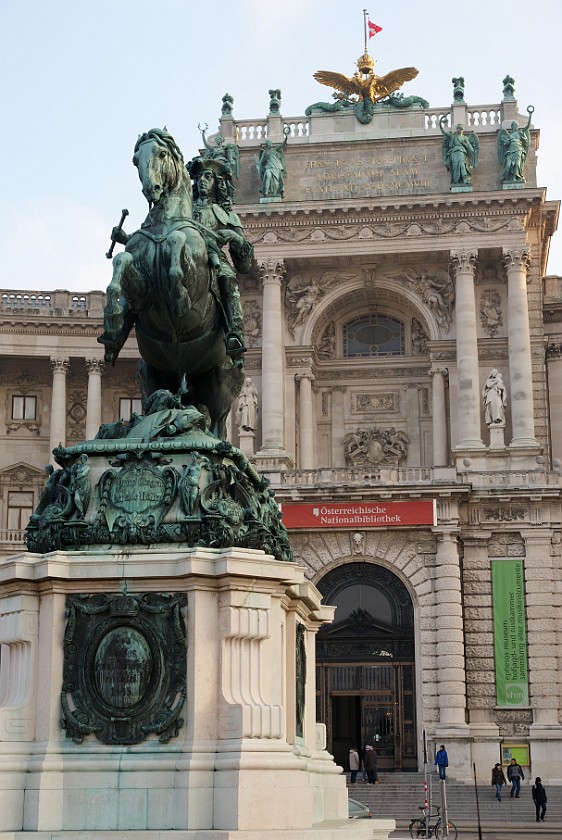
(373, 335)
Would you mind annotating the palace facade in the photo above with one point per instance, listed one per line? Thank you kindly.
(382, 300)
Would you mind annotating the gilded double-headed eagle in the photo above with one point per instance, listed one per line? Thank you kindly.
(364, 83)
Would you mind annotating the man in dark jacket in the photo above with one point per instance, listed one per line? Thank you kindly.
(539, 798)
(515, 776)
(442, 761)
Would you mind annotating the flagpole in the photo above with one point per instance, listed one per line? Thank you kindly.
(365, 13)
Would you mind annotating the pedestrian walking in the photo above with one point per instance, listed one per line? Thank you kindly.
(442, 761)
(353, 764)
(539, 798)
(369, 762)
(515, 775)
(498, 779)
(375, 766)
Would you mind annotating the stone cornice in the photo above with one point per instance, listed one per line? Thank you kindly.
(386, 208)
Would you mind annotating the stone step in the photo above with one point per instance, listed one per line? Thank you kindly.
(399, 795)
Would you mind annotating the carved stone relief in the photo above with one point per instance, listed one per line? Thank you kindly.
(252, 322)
(375, 446)
(491, 316)
(435, 288)
(77, 415)
(368, 403)
(327, 344)
(419, 339)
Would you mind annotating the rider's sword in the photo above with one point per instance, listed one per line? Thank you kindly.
(124, 214)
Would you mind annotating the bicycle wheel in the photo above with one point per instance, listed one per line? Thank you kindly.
(417, 828)
(452, 830)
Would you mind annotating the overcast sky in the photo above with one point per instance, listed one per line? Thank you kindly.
(82, 78)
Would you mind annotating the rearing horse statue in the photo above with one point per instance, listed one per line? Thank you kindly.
(164, 284)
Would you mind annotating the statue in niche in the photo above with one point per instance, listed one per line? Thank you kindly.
(495, 399)
(247, 409)
(419, 339)
(490, 311)
(375, 447)
(460, 153)
(327, 346)
(513, 147)
(271, 168)
(301, 301)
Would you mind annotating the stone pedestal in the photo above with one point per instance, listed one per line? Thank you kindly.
(497, 436)
(247, 442)
(235, 751)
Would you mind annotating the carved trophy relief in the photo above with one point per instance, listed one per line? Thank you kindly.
(491, 315)
(252, 322)
(375, 447)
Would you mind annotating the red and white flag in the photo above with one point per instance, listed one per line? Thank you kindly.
(373, 28)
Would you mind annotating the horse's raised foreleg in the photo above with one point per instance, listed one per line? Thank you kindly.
(180, 271)
(118, 318)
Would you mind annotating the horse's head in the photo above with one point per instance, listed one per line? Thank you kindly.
(160, 165)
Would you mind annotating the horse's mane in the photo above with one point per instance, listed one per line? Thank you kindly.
(163, 138)
(177, 171)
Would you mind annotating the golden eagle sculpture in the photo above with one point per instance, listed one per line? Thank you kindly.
(364, 88)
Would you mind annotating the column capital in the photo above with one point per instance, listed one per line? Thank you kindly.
(301, 376)
(464, 261)
(94, 365)
(437, 369)
(60, 365)
(516, 258)
(272, 271)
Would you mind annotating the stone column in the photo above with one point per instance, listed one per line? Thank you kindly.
(306, 428)
(469, 403)
(451, 679)
(93, 405)
(520, 395)
(273, 360)
(338, 454)
(439, 410)
(58, 403)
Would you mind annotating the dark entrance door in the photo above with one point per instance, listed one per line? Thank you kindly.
(366, 669)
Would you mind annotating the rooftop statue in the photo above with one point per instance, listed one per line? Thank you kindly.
(271, 167)
(460, 153)
(513, 147)
(166, 285)
(364, 89)
(227, 153)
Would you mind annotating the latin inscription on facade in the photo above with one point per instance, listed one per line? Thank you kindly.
(384, 174)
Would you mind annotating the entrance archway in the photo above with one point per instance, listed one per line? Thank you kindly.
(365, 678)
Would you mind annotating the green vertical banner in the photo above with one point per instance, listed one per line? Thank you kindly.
(510, 633)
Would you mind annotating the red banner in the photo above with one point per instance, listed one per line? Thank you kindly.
(359, 514)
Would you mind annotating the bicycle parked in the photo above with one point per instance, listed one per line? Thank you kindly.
(419, 828)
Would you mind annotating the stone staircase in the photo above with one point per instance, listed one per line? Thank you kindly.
(399, 794)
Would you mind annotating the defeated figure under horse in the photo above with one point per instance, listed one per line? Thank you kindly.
(167, 285)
